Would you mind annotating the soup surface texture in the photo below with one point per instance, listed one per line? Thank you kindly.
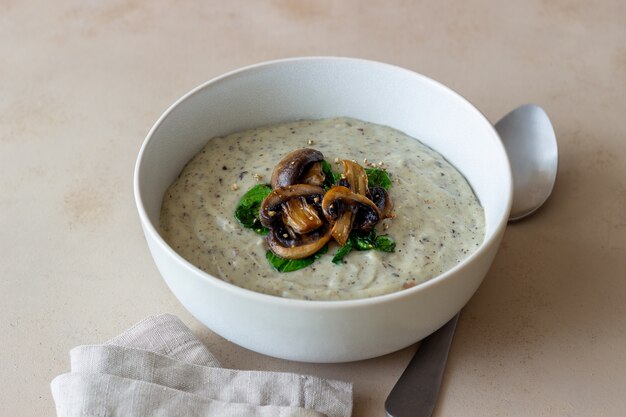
(439, 221)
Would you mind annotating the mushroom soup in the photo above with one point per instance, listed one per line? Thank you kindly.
(436, 220)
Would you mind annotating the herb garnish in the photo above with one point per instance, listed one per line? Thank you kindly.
(342, 252)
(330, 177)
(364, 241)
(385, 243)
(378, 178)
(289, 265)
(247, 211)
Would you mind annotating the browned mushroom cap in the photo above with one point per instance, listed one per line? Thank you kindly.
(286, 244)
(313, 175)
(301, 216)
(271, 207)
(355, 175)
(381, 198)
(293, 166)
(343, 226)
(340, 200)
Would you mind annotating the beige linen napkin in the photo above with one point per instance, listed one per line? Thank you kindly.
(159, 368)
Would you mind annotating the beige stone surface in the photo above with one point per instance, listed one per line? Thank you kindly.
(81, 82)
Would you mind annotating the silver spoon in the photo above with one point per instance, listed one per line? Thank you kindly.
(530, 143)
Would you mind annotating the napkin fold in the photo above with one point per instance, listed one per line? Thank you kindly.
(159, 368)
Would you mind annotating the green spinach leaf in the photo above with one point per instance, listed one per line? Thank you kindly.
(330, 177)
(247, 210)
(385, 243)
(289, 265)
(378, 178)
(342, 252)
(363, 241)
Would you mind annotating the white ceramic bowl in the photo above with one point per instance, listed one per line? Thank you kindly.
(310, 88)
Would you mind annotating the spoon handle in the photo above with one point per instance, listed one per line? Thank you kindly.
(415, 394)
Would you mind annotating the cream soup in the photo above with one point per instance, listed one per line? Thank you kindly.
(439, 221)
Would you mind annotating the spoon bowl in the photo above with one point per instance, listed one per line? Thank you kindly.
(531, 146)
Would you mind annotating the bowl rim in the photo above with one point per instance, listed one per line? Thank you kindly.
(149, 227)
